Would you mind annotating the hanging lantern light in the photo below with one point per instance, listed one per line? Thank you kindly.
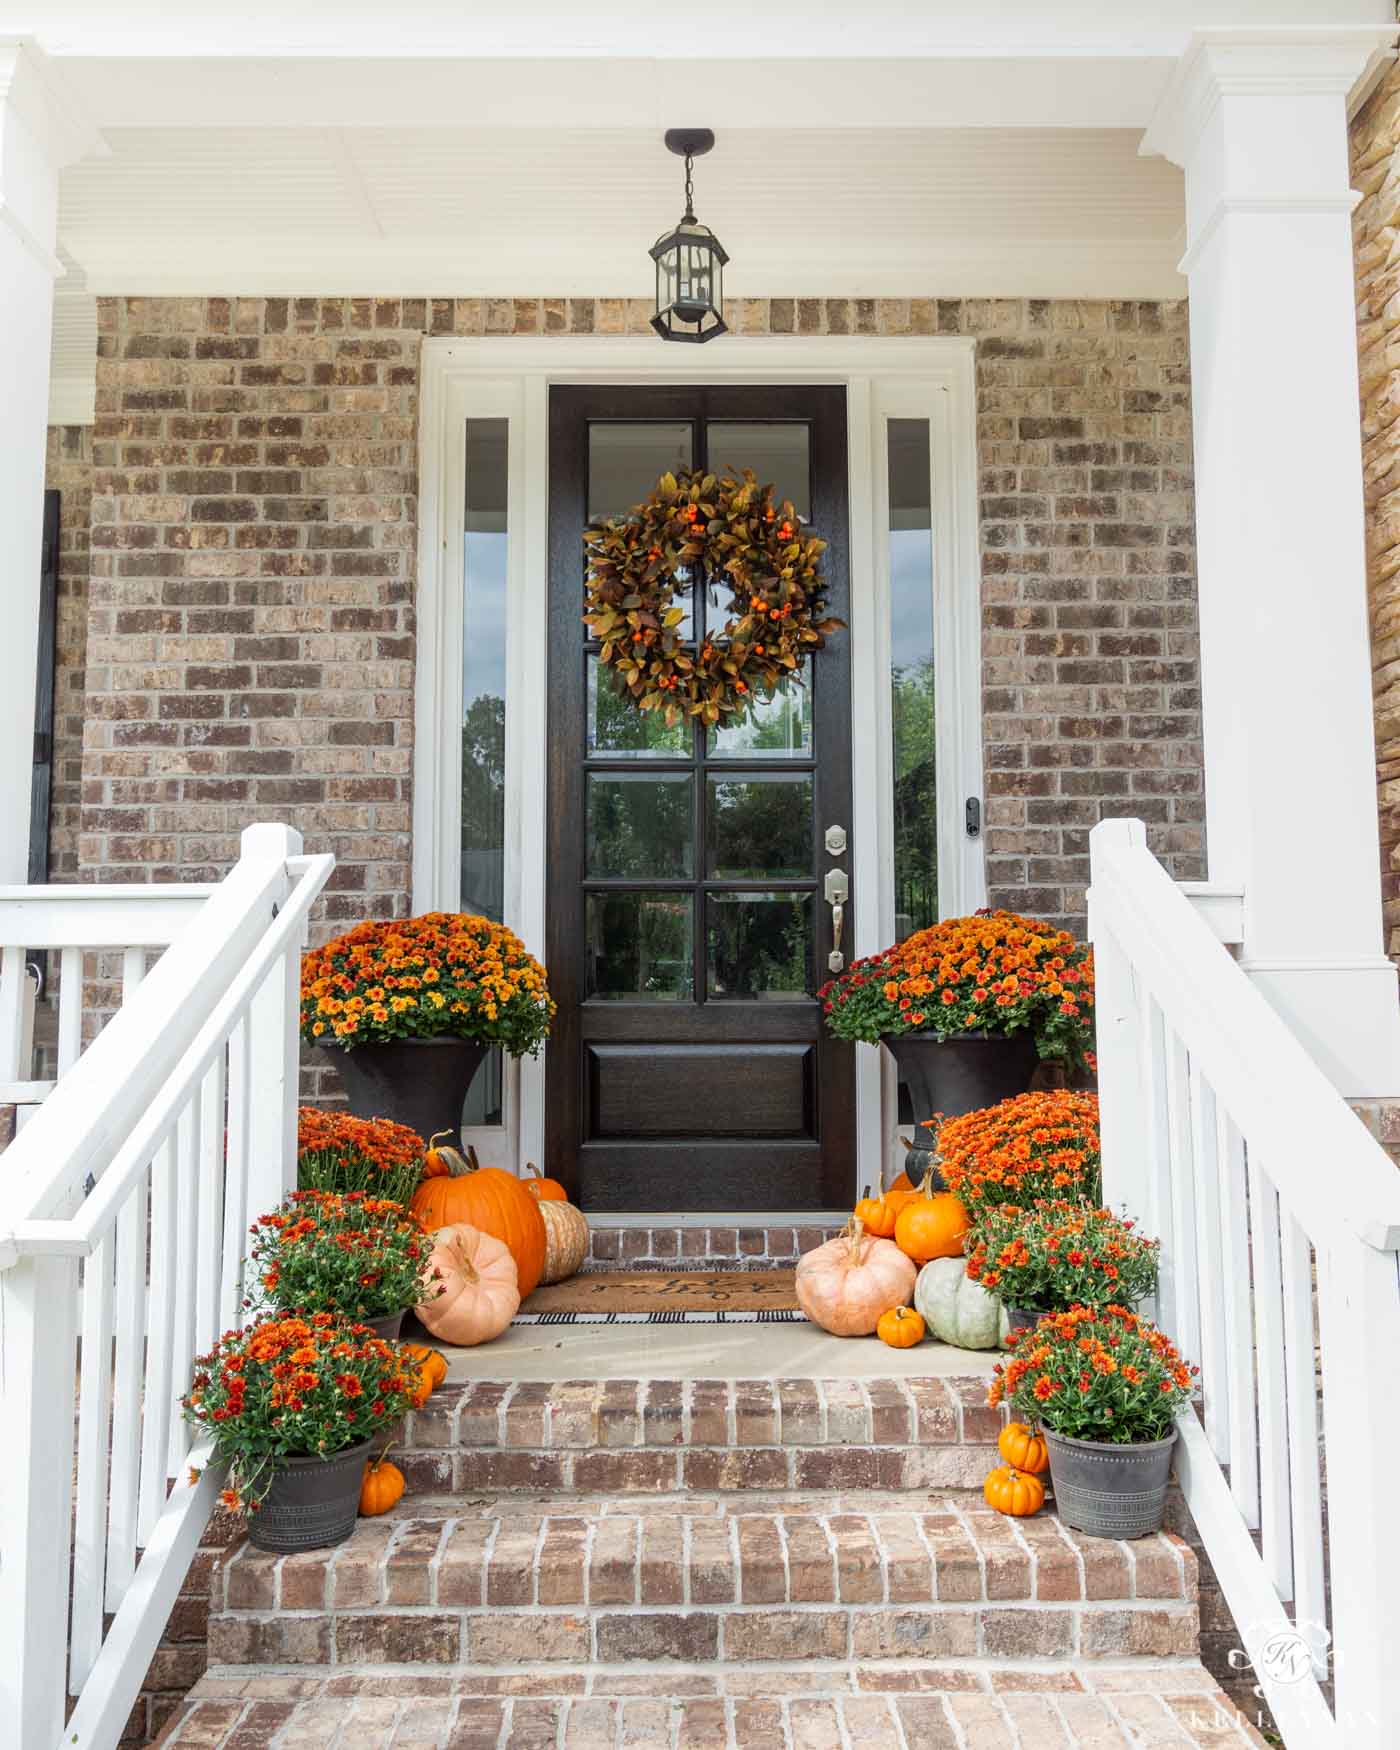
(689, 259)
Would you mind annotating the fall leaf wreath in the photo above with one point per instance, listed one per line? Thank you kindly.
(693, 528)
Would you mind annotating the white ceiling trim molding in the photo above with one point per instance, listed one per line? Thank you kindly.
(518, 93)
(1028, 268)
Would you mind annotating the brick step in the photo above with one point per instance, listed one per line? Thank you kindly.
(498, 1582)
(630, 1436)
(763, 1707)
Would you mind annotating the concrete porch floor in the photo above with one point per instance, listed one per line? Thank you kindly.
(757, 1351)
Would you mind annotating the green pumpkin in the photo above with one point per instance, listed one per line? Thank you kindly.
(957, 1310)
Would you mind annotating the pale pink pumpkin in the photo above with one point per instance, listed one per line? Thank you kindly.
(479, 1282)
(845, 1285)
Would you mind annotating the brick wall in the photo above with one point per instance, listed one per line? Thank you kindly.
(250, 640)
(1375, 148)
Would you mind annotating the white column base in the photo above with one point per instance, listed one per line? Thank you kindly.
(1346, 1015)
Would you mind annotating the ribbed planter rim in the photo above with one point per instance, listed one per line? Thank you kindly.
(1112, 1446)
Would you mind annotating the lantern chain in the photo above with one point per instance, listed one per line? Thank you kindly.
(689, 192)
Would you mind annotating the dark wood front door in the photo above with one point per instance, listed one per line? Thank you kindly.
(688, 927)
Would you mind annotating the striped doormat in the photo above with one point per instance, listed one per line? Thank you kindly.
(679, 1297)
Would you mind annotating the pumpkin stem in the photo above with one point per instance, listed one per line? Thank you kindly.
(855, 1228)
(436, 1134)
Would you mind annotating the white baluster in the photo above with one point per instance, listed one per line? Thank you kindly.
(155, 1408)
(130, 1364)
(94, 1432)
(210, 1168)
(236, 1212)
(1304, 1472)
(1275, 1521)
(1238, 1320)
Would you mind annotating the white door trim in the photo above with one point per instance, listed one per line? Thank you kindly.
(502, 376)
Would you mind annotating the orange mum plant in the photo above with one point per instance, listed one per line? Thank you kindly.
(1091, 1374)
(994, 972)
(356, 1256)
(292, 1388)
(336, 1152)
(1040, 1145)
(418, 978)
(1061, 1254)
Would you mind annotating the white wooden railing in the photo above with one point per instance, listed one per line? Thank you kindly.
(124, 1203)
(1280, 1224)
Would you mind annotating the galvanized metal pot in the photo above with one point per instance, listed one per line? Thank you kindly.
(1108, 1490)
(963, 1073)
(418, 1082)
(312, 1502)
(387, 1326)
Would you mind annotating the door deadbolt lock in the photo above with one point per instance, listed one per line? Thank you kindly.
(835, 840)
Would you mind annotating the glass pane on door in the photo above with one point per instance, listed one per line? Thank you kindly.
(617, 727)
(640, 826)
(627, 457)
(758, 946)
(639, 946)
(778, 727)
(778, 451)
(760, 828)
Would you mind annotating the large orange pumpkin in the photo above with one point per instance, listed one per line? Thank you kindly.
(492, 1201)
(932, 1224)
(546, 1190)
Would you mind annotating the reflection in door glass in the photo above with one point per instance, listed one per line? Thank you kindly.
(616, 726)
(484, 707)
(638, 947)
(760, 829)
(912, 676)
(626, 457)
(778, 451)
(778, 727)
(640, 826)
(757, 945)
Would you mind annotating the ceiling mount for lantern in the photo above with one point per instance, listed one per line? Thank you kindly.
(689, 259)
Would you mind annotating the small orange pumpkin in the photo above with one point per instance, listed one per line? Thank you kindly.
(901, 1327)
(432, 1361)
(542, 1189)
(1023, 1448)
(877, 1214)
(381, 1489)
(437, 1162)
(1014, 1492)
(932, 1224)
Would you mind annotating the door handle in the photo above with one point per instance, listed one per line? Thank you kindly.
(837, 891)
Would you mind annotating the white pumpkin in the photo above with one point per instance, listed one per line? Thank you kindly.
(845, 1285)
(956, 1309)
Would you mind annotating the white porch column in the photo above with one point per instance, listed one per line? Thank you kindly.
(1258, 121)
(37, 137)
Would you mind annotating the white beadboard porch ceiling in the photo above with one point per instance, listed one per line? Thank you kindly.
(437, 210)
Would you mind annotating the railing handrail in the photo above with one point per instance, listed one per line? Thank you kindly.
(117, 1078)
(1274, 1090)
(102, 915)
(75, 1236)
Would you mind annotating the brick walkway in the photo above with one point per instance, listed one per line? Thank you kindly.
(752, 1708)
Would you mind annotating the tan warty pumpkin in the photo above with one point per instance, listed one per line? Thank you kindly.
(565, 1239)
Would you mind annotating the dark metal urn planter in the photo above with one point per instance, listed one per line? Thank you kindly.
(387, 1326)
(963, 1073)
(418, 1082)
(1019, 1316)
(312, 1502)
(1108, 1490)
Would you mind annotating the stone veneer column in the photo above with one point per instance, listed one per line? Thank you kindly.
(36, 138)
(1258, 121)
